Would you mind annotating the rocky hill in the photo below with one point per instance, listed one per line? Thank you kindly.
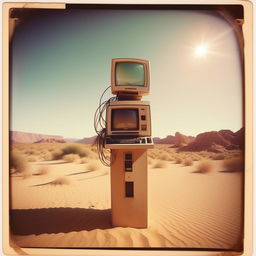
(178, 140)
(216, 141)
(87, 140)
(50, 140)
(27, 137)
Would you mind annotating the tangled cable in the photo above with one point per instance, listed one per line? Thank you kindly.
(100, 128)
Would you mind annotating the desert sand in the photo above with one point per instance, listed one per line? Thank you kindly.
(187, 209)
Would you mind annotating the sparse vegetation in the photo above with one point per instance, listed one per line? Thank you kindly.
(188, 162)
(76, 149)
(70, 158)
(234, 164)
(160, 164)
(164, 156)
(92, 166)
(204, 166)
(84, 160)
(218, 157)
(178, 160)
(32, 158)
(18, 162)
(57, 154)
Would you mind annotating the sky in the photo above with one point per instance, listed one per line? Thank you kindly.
(61, 64)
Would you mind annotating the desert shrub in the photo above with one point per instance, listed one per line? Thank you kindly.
(94, 149)
(18, 162)
(195, 157)
(188, 162)
(178, 160)
(159, 164)
(218, 157)
(204, 166)
(92, 166)
(57, 154)
(42, 170)
(61, 181)
(234, 164)
(164, 156)
(84, 160)
(70, 158)
(47, 156)
(32, 159)
(76, 149)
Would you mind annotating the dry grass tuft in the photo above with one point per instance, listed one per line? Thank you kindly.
(204, 166)
(160, 164)
(188, 162)
(164, 156)
(76, 149)
(47, 156)
(178, 160)
(218, 157)
(32, 159)
(42, 170)
(61, 181)
(92, 167)
(18, 162)
(56, 154)
(233, 164)
(70, 158)
(84, 160)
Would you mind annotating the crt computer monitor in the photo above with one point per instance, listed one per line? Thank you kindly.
(130, 77)
(126, 118)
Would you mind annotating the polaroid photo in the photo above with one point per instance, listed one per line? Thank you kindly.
(127, 128)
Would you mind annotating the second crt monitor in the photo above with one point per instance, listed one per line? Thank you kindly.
(128, 118)
(130, 77)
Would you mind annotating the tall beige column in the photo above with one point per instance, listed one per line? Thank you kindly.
(129, 188)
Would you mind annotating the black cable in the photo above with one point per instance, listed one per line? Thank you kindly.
(100, 129)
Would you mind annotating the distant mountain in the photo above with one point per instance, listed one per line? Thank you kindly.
(71, 139)
(216, 141)
(27, 137)
(50, 140)
(178, 140)
(87, 140)
(167, 140)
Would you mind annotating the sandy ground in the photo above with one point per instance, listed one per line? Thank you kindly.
(186, 209)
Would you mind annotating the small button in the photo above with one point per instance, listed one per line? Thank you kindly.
(128, 156)
(143, 127)
(143, 117)
(149, 140)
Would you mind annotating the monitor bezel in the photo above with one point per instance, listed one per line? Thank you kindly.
(128, 105)
(125, 89)
(120, 130)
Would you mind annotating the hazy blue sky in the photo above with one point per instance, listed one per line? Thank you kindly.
(62, 61)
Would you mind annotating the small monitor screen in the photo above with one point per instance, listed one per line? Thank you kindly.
(125, 119)
(130, 74)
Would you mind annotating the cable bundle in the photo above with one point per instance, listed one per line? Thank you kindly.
(100, 128)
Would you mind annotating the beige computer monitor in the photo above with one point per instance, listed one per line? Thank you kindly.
(128, 118)
(130, 77)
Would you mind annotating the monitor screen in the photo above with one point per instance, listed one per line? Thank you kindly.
(130, 74)
(124, 119)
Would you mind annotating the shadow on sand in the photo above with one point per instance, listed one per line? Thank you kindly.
(58, 220)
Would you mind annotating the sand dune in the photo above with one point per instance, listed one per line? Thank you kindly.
(186, 209)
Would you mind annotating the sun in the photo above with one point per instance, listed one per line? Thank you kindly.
(201, 51)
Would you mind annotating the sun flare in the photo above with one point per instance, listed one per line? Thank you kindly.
(201, 51)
